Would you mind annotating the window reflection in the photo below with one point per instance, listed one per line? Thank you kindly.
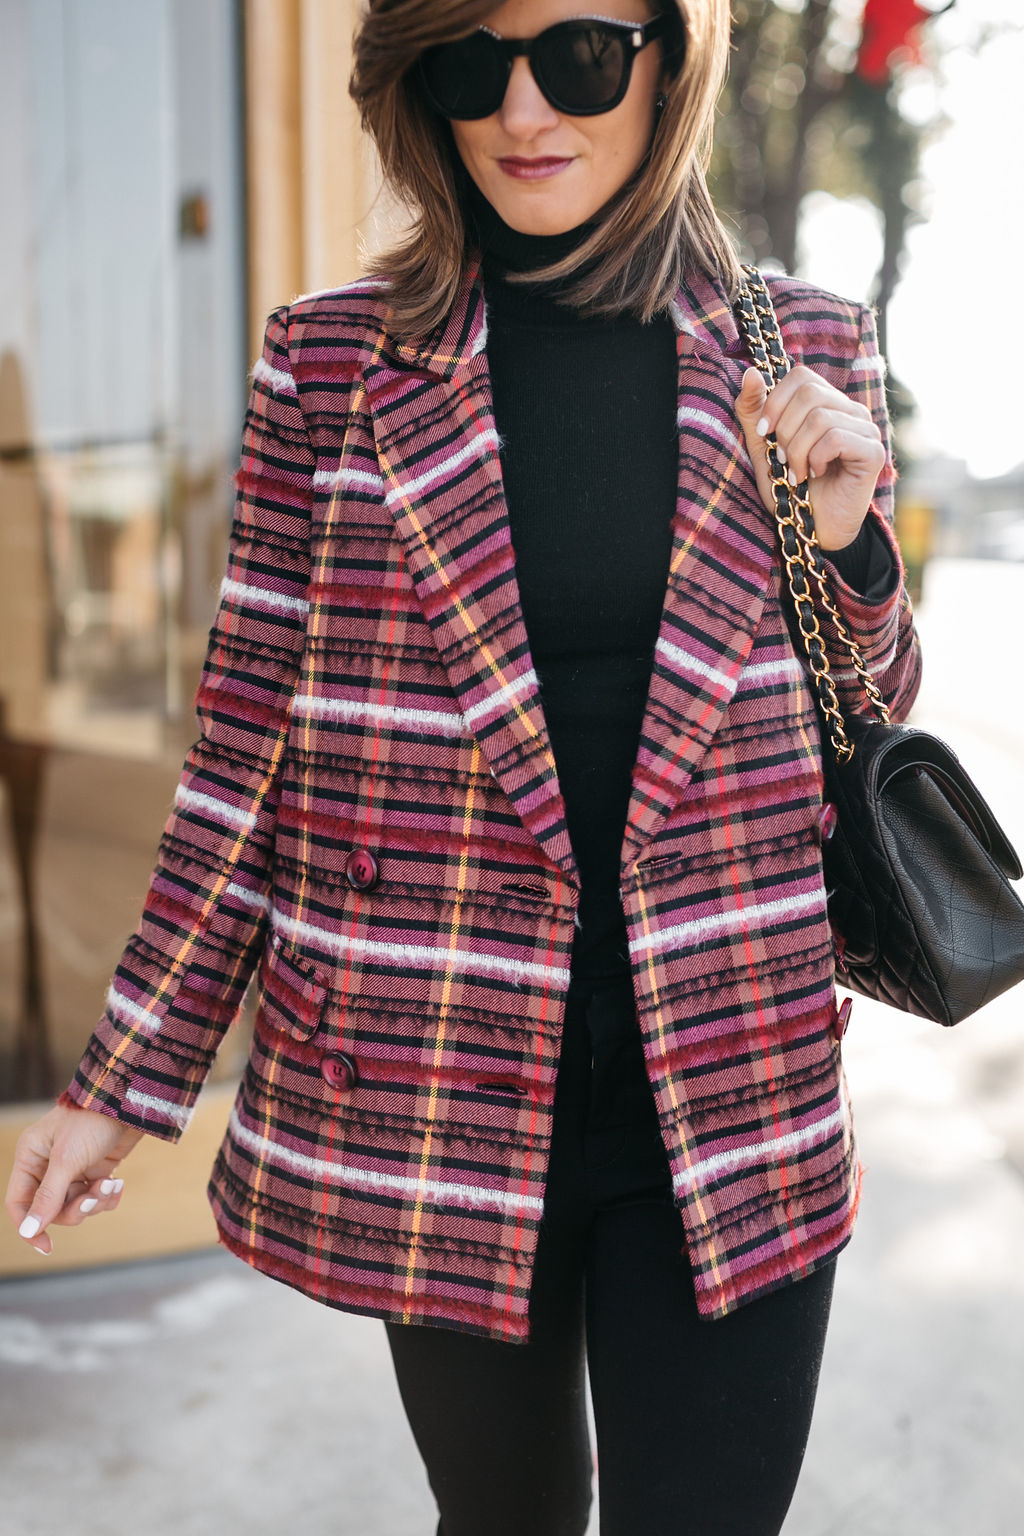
(122, 391)
(113, 580)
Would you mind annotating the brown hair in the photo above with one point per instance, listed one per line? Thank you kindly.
(658, 225)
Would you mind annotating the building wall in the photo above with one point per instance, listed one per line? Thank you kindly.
(313, 185)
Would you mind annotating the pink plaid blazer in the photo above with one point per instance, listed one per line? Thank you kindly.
(371, 822)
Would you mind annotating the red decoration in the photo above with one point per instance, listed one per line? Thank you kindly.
(889, 26)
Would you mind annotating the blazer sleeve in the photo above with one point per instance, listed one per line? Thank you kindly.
(184, 971)
(881, 622)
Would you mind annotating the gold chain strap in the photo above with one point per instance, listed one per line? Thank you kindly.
(801, 551)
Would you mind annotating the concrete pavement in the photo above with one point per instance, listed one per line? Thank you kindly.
(196, 1397)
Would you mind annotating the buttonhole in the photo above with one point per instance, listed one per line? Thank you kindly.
(525, 887)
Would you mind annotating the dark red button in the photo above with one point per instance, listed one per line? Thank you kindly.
(361, 869)
(828, 820)
(843, 1017)
(339, 1070)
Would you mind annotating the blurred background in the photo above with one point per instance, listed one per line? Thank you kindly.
(170, 171)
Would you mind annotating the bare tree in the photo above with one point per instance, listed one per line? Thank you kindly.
(811, 105)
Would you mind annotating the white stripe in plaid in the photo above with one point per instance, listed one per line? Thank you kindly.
(433, 1190)
(710, 1168)
(746, 919)
(421, 956)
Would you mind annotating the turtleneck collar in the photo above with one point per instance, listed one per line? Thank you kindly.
(509, 250)
(506, 250)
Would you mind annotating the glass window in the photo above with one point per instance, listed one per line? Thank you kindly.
(122, 392)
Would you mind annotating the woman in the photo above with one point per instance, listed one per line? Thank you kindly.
(526, 852)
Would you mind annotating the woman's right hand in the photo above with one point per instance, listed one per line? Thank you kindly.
(63, 1171)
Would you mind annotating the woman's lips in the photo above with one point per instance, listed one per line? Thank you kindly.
(534, 170)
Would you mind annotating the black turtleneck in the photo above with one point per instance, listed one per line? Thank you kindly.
(585, 409)
(586, 415)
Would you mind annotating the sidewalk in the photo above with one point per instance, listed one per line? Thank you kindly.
(920, 1415)
(195, 1397)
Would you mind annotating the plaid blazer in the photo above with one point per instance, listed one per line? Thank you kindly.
(371, 821)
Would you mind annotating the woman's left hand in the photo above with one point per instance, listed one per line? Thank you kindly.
(826, 438)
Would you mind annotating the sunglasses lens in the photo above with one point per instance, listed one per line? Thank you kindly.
(465, 79)
(581, 67)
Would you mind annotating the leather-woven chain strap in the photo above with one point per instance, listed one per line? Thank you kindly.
(801, 551)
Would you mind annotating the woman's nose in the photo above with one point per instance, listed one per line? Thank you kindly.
(525, 110)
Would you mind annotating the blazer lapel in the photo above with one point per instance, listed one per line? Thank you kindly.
(438, 450)
(721, 564)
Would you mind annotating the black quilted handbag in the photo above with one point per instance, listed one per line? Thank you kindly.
(917, 869)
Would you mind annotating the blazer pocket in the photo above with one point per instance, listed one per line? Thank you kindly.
(291, 992)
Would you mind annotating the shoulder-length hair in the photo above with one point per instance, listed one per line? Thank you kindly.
(659, 225)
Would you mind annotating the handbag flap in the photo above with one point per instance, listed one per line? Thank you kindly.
(901, 749)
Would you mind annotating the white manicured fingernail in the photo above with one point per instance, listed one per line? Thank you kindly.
(762, 426)
(812, 474)
(29, 1227)
(791, 477)
(107, 1187)
(118, 1186)
(89, 1205)
(46, 1252)
(781, 452)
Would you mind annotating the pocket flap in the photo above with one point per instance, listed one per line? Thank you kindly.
(291, 991)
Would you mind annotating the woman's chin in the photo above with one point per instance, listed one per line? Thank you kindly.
(536, 216)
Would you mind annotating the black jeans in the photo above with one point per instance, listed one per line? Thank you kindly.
(701, 1424)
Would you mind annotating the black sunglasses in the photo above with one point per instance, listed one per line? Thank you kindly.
(582, 66)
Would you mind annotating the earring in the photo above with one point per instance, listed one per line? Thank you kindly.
(660, 103)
